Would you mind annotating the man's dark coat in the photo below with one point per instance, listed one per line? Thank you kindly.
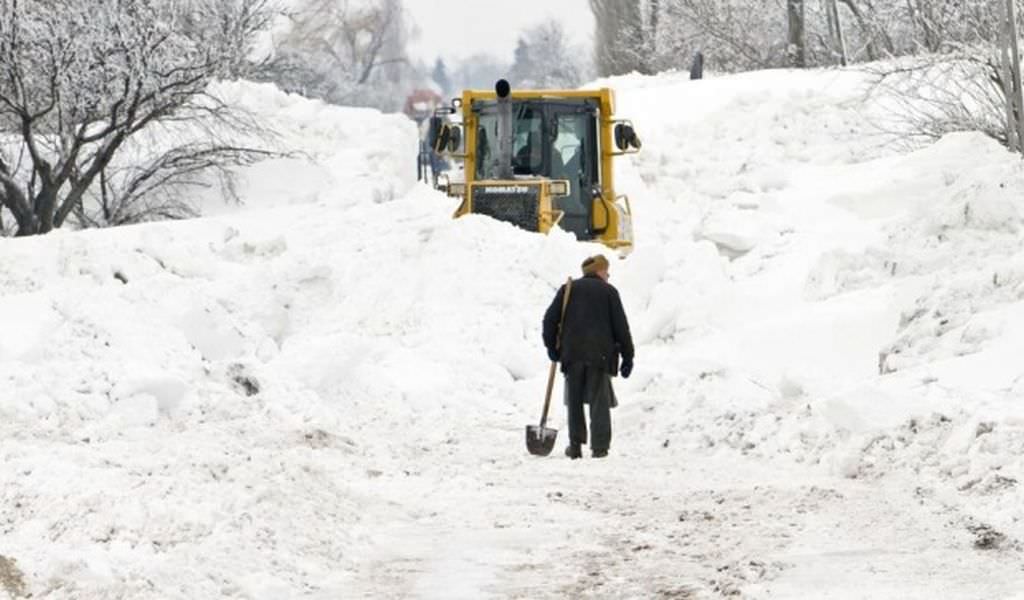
(595, 332)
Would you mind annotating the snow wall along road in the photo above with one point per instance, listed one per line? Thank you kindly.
(238, 406)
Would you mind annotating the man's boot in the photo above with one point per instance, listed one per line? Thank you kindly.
(573, 451)
(599, 453)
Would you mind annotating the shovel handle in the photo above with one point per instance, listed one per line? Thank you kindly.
(547, 396)
(561, 320)
(554, 364)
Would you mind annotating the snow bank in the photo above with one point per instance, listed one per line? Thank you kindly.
(346, 155)
(239, 406)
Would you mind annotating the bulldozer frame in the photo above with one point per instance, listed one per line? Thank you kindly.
(541, 159)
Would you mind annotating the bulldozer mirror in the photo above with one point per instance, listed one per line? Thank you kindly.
(443, 139)
(626, 138)
(634, 139)
(620, 137)
(454, 138)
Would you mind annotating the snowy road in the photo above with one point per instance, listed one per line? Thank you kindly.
(756, 453)
(667, 526)
(323, 396)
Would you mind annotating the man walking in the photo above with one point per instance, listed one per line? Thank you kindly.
(588, 341)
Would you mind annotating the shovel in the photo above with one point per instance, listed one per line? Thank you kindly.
(540, 439)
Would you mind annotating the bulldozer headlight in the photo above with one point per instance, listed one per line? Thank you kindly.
(559, 188)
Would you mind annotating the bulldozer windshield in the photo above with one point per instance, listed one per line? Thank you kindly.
(555, 139)
(528, 154)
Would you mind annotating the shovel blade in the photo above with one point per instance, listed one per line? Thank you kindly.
(540, 440)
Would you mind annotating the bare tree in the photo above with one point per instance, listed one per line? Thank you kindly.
(619, 36)
(544, 59)
(737, 35)
(968, 84)
(343, 51)
(160, 169)
(733, 35)
(931, 96)
(80, 80)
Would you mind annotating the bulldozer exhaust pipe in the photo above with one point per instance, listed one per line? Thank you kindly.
(504, 91)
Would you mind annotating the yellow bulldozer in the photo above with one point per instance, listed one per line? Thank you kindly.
(539, 159)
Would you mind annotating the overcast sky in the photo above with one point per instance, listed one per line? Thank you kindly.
(455, 29)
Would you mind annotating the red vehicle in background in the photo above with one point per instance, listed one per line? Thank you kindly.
(420, 104)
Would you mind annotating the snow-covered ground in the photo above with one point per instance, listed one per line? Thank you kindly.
(323, 394)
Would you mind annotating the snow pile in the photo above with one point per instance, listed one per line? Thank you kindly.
(341, 155)
(865, 306)
(324, 395)
(128, 379)
(214, 380)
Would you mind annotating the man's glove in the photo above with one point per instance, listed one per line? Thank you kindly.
(626, 368)
(553, 354)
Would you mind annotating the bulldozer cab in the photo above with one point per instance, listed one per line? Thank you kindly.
(541, 159)
(553, 140)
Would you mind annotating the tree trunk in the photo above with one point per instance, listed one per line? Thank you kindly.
(865, 29)
(618, 24)
(604, 36)
(14, 199)
(796, 46)
(1018, 98)
(83, 182)
(46, 206)
(923, 14)
(15, 202)
(1006, 80)
(651, 50)
(836, 24)
(826, 6)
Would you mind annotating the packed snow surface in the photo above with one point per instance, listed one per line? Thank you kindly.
(322, 393)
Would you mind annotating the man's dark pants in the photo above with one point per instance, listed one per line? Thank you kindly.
(589, 385)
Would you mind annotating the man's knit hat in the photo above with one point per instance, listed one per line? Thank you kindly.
(595, 264)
